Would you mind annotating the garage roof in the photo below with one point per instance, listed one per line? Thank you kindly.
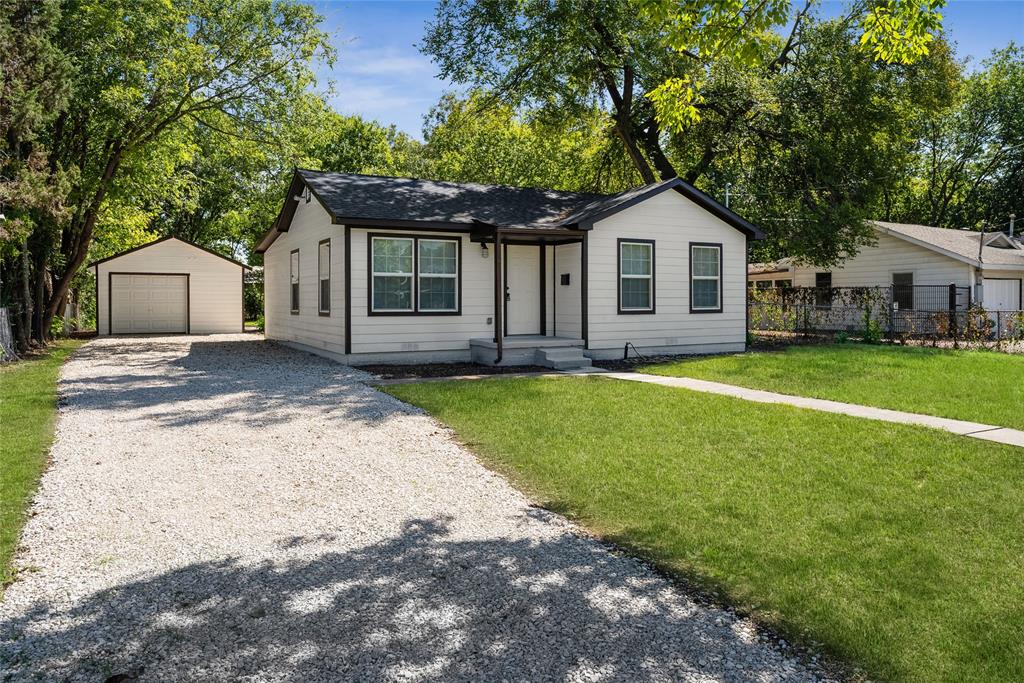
(164, 239)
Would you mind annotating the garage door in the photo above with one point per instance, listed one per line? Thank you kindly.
(1002, 295)
(148, 304)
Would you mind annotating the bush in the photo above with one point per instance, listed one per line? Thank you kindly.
(842, 337)
(872, 333)
(261, 324)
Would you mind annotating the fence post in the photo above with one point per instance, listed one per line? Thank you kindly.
(891, 316)
(952, 311)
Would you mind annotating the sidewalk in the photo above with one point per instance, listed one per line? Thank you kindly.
(1012, 437)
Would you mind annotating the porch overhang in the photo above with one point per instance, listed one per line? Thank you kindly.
(524, 234)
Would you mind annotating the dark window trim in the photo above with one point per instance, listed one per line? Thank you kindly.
(823, 299)
(110, 299)
(721, 276)
(297, 299)
(899, 293)
(618, 279)
(324, 312)
(415, 274)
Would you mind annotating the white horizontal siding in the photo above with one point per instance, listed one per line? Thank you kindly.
(215, 284)
(672, 221)
(874, 265)
(405, 333)
(310, 224)
(567, 315)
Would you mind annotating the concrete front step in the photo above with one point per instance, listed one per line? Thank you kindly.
(562, 358)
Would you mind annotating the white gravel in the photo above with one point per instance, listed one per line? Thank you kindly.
(221, 508)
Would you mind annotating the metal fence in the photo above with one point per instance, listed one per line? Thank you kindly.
(923, 312)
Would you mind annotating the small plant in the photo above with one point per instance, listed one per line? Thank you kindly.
(872, 333)
(842, 337)
(261, 324)
(750, 338)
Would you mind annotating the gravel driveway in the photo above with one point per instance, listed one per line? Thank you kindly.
(221, 508)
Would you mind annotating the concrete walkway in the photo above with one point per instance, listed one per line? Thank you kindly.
(1012, 437)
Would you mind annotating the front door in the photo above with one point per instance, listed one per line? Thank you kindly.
(522, 289)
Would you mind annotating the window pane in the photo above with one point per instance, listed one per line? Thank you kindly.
(437, 256)
(295, 267)
(903, 290)
(392, 293)
(295, 296)
(325, 295)
(325, 261)
(705, 293)
(636, 259)
(392, 255)
(437, 293)
(705, 261)
(636, 293)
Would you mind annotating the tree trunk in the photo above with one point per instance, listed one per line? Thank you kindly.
(78, 250)
(24, 319)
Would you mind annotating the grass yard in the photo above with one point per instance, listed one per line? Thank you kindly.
(979, 386)
(28, 407)
(898, 548)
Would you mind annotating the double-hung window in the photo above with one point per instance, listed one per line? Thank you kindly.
(636, 276)
(437, 272)
(294, 275)
(705, 278)
(324, 276)
(411, 275)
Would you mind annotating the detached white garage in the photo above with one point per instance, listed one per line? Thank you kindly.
(169, 286)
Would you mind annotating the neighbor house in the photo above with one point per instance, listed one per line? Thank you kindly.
(377, 269)
(990, 265)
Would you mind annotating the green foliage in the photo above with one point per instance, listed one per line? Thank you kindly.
(252, 300)
(850, 535)
(841, 337)
(977, 386)
(739, 33)
(28, 408)
(479, 139)
(966, 166)
(872, 332)
(900, 31)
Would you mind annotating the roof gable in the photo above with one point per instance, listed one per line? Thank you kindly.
(965, 246)
(161, 241)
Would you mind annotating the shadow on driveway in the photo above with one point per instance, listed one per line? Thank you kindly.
(419, 605)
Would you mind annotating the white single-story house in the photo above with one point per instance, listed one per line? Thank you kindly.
(169, 286)
(990, 264)
(370, 269)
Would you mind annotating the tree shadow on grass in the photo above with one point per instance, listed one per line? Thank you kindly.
(181, 381)
(418, 606)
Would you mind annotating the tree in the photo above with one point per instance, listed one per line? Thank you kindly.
(34, 83)
(475, 139)
(775, 100)
(968, 164)
(144, 69)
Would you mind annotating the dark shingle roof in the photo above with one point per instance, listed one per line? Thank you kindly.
(367, 197)
(352, 198)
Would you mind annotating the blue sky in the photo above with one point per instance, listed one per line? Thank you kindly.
(380, 74)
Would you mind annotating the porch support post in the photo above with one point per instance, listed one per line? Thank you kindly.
(499, 297)
(584, 295)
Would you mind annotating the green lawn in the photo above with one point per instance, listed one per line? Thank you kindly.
(28, 406)
(980, 386)
(899, 548)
